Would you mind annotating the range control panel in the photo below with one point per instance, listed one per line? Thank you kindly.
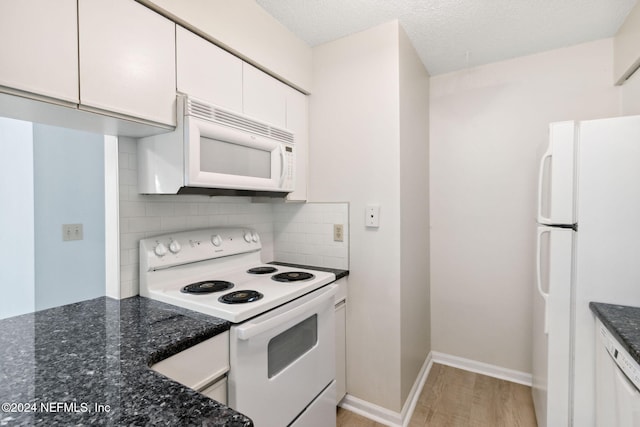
(623, 359)
(185, 247)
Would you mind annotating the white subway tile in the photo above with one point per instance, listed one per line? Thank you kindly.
(333, 218)
(314, 218)
(159, 209)
(131, 240)
(208, 209)
(129, 209)
(194, 222)
(297, 237)
(129, 288)
(333, 262)
(173, 223)
(128, 177)
(314, 208)
(123, 191)
(218, 220)
(128, 145)
(240, 220)
(317, 239)
(334, 251)
(123, 160)
(185, 209)
(139, 224)
(289, 257)
(313, 260)
(129, 256)
(133, 161)
(129, 272)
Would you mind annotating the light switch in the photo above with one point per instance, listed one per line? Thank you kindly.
(372, 218)
(72, 232)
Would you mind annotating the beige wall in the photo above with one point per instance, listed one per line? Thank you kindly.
(245, 29)
(369, 143)
(354, 157)
(488, 129)
(415, 316)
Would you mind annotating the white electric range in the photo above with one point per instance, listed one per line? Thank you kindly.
(282, 345)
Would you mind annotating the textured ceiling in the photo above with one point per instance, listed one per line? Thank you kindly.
(451, 35)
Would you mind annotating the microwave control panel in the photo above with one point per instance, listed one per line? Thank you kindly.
(289, 180)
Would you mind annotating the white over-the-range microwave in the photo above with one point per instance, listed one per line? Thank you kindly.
(217, 152)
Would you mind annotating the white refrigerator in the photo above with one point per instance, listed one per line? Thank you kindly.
(588, 249)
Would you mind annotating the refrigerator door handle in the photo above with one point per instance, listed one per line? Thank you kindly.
(543, 294)
(547, 155)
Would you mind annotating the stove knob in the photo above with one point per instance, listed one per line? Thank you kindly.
(160, 250)
(216, 240)
(174, 247)
(255, 237)
(247, 237)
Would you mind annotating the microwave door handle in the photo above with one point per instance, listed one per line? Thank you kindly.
(283, 163)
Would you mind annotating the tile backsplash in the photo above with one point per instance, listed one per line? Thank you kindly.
(290, 232)
(303, 234)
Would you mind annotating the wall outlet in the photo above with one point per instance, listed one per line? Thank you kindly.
(72, 232)
(338, 233)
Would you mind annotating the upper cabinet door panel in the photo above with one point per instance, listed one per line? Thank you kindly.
(127, 60)
(298, 123)
(264, 97)
(39, 49)
(207, 72)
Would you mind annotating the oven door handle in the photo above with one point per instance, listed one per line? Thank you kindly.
(252, 328)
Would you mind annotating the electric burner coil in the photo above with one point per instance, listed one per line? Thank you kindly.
(207, 287)
(292, 276)
(262, 270)
(240, 297)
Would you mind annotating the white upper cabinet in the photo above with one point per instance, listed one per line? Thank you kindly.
(297, 113)
(264, 97)
(127, 60)
(39, 49)
(207, 72)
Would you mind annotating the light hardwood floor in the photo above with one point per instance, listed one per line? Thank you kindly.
(455, 398)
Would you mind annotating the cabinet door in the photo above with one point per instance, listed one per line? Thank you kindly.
(264, 98)
(341, 350)
(207, 72)
(298, 122)
(127, 60)
(39, 49)
(341, 338)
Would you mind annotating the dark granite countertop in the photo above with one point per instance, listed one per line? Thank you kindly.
(623, 322)
(339, 273)
(98, 352)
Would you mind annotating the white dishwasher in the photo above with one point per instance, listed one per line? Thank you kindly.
(617, 382)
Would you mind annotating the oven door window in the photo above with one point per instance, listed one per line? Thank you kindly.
(287, 347)
(234, 159)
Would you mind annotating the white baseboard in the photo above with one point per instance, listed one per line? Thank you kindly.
(383, 415)
(371, 411)
(414, 394)
(401, 419)
(482, 368)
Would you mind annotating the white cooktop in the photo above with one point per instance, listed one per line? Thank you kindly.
(170, 262)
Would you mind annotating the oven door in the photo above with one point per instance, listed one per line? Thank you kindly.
(281, 361)
(222, 157)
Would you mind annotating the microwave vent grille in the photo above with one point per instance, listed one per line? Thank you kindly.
(227, 118)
